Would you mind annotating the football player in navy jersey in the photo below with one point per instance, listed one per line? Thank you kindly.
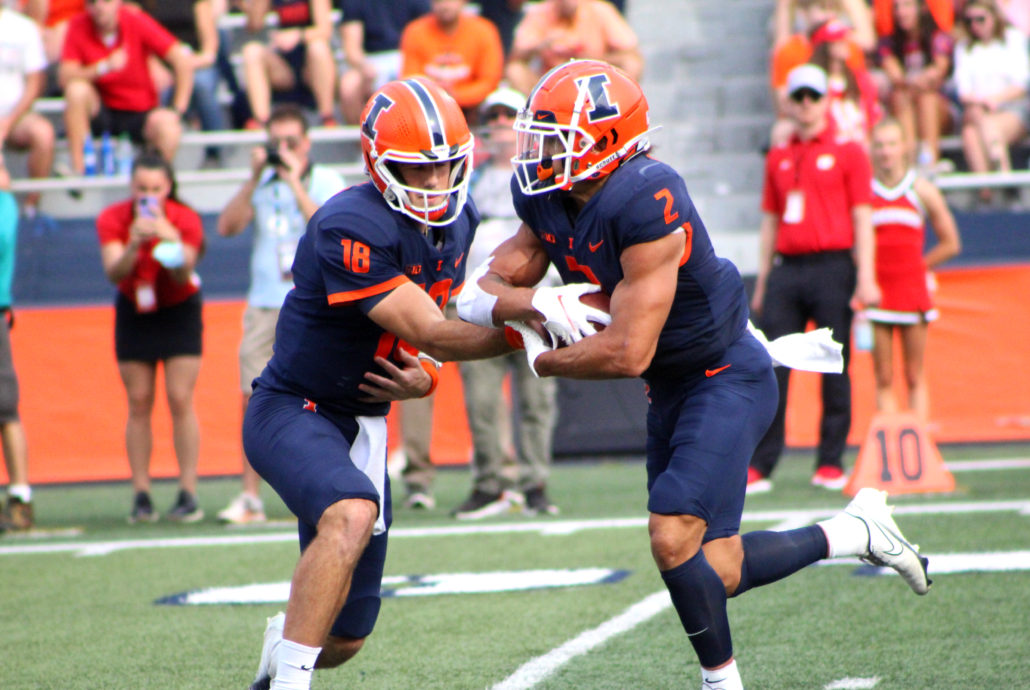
(363, 326)
(611, 218)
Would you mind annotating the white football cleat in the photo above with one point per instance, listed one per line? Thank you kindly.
(273, 636)
(887, 546)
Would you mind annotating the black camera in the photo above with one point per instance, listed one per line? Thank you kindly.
(272, 156)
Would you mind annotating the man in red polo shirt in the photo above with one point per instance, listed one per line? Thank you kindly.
(815, 258)
(107, 85)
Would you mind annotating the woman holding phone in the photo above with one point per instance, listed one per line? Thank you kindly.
(149, 245)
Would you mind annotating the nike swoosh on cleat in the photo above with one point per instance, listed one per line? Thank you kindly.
(897, 547)
(712, 372)
(306, 668)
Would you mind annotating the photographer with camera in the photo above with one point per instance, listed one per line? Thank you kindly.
(283, 192)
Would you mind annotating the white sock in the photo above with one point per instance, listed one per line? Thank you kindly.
(20, 491)
(725, 678)
(294, 665)
(846, 535)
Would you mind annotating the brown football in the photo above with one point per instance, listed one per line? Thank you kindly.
(597, 300)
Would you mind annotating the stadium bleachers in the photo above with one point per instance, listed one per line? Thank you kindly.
(706, 78)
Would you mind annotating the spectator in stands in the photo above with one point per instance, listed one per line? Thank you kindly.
(149, 245)
(278, 200)
(297, 64)
(54, 16)
(17, 513)
(194, 24)
(815, 258)
(370, 34)
(459, 51)
(792, 49)
(793, 21)
(498, 483)
(22, 79)
(854, 101)
(885, 15)
(902, 202)
(554, 31)
(107, 84)
(992, 70)
(916, 59)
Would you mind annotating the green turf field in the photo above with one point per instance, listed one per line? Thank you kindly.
(78, 611)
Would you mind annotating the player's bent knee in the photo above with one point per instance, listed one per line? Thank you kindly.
(351, 519)
(675, 538)
(338, 650)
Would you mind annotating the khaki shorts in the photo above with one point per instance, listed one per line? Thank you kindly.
(256, 346)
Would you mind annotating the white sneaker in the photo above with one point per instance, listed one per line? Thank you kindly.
(273, 636)
(887, 546)
(243, 510)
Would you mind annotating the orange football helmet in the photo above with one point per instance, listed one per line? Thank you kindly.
(582, 119)
(414, 121)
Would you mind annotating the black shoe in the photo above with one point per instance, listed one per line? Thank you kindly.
(142, 509)
(185, 508)
(537, 502)
(482, 504)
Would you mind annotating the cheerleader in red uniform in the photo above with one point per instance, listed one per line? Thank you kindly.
(902, 202)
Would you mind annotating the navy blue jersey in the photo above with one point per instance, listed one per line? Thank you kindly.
(354, 252)
(644, 200)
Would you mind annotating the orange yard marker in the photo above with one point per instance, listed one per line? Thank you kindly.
(899, 456)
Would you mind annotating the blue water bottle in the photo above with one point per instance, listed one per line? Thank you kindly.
(124, 155)
(89, 157)
(107, 162)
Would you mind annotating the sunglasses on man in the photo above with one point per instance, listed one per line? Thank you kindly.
(801, 94)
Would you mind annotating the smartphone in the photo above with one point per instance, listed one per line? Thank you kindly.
(147, 207)
(272, 156)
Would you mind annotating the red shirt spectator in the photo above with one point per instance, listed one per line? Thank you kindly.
(131, 87)
(832, 176)
(113, 226)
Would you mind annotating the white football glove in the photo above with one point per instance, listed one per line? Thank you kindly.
(565, 317)
(534, 344)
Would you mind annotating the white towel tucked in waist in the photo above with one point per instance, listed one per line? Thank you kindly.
(368, 453)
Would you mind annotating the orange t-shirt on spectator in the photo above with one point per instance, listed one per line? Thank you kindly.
(468, 63)
(943, 12)
(797, 50)
(596, 29)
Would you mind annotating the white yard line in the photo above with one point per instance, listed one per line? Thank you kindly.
(852, 683)
(978, 465)
(544, 527)
(535, 670)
